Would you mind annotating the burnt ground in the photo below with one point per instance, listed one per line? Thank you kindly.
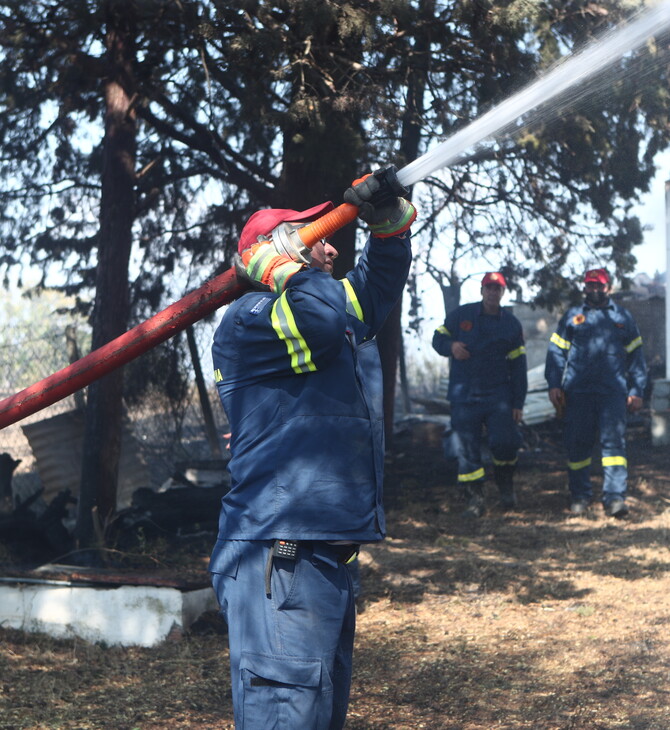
(531, 619)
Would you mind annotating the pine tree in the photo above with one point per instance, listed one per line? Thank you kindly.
(154, 128)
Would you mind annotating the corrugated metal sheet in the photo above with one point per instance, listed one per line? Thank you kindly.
(56, 443)
(537, 408)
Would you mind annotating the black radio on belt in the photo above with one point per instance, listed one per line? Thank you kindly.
(285, 549)
(280, 549)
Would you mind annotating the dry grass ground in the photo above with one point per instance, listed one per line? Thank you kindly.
(528, 620)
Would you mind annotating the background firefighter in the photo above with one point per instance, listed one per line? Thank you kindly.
(299, 377)
(487, 387)
(596, 371)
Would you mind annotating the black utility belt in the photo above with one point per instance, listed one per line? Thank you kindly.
(288, 549)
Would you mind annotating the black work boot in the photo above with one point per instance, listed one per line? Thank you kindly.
(504, 478)
(474, 493)
(617, 508)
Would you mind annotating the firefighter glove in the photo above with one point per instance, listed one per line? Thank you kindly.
(264, 268)
(385, 215)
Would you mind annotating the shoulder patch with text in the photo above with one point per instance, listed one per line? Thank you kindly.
(260, 305)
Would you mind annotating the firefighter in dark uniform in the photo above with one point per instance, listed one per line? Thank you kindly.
(596, 371)
(298, 372)
(487, 387)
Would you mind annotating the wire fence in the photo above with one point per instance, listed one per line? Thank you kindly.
(167, 430)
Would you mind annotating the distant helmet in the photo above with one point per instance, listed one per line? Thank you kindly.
(494, 277)
(598, 275)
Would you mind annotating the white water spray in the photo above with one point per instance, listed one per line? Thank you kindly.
(569, 73)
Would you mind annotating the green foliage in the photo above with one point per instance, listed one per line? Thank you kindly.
(32, 339)
(553, 196)
(252, 103)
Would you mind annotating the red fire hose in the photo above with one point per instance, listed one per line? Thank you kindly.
(221, 290)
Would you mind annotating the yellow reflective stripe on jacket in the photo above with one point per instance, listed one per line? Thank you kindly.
(505, 463)
(443, 330)
(353, 305)
(615, 461)
(560, 342)
(217, 376)
(633, 344)
(472, 476)
(284, 325)
(575, 465)
(513, 354)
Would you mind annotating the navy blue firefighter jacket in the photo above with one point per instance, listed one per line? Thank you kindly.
(300, 380)
(497, 354)
(597, 350)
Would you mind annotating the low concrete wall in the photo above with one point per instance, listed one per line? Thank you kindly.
(123, 616)
(660, 413)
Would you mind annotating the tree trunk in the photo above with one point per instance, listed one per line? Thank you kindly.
(205, 404)
(104, 412)
(390, 336)
(404, 383)
(73, 355)
(451, 294)
(322, 172)
(322, 139)
(388, 341)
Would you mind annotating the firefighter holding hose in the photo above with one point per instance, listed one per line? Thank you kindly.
(299, 376)
(596, 371)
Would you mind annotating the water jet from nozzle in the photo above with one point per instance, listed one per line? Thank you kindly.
(569, 73)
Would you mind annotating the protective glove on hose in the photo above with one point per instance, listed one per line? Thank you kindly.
(389, 218)
(264, 268)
